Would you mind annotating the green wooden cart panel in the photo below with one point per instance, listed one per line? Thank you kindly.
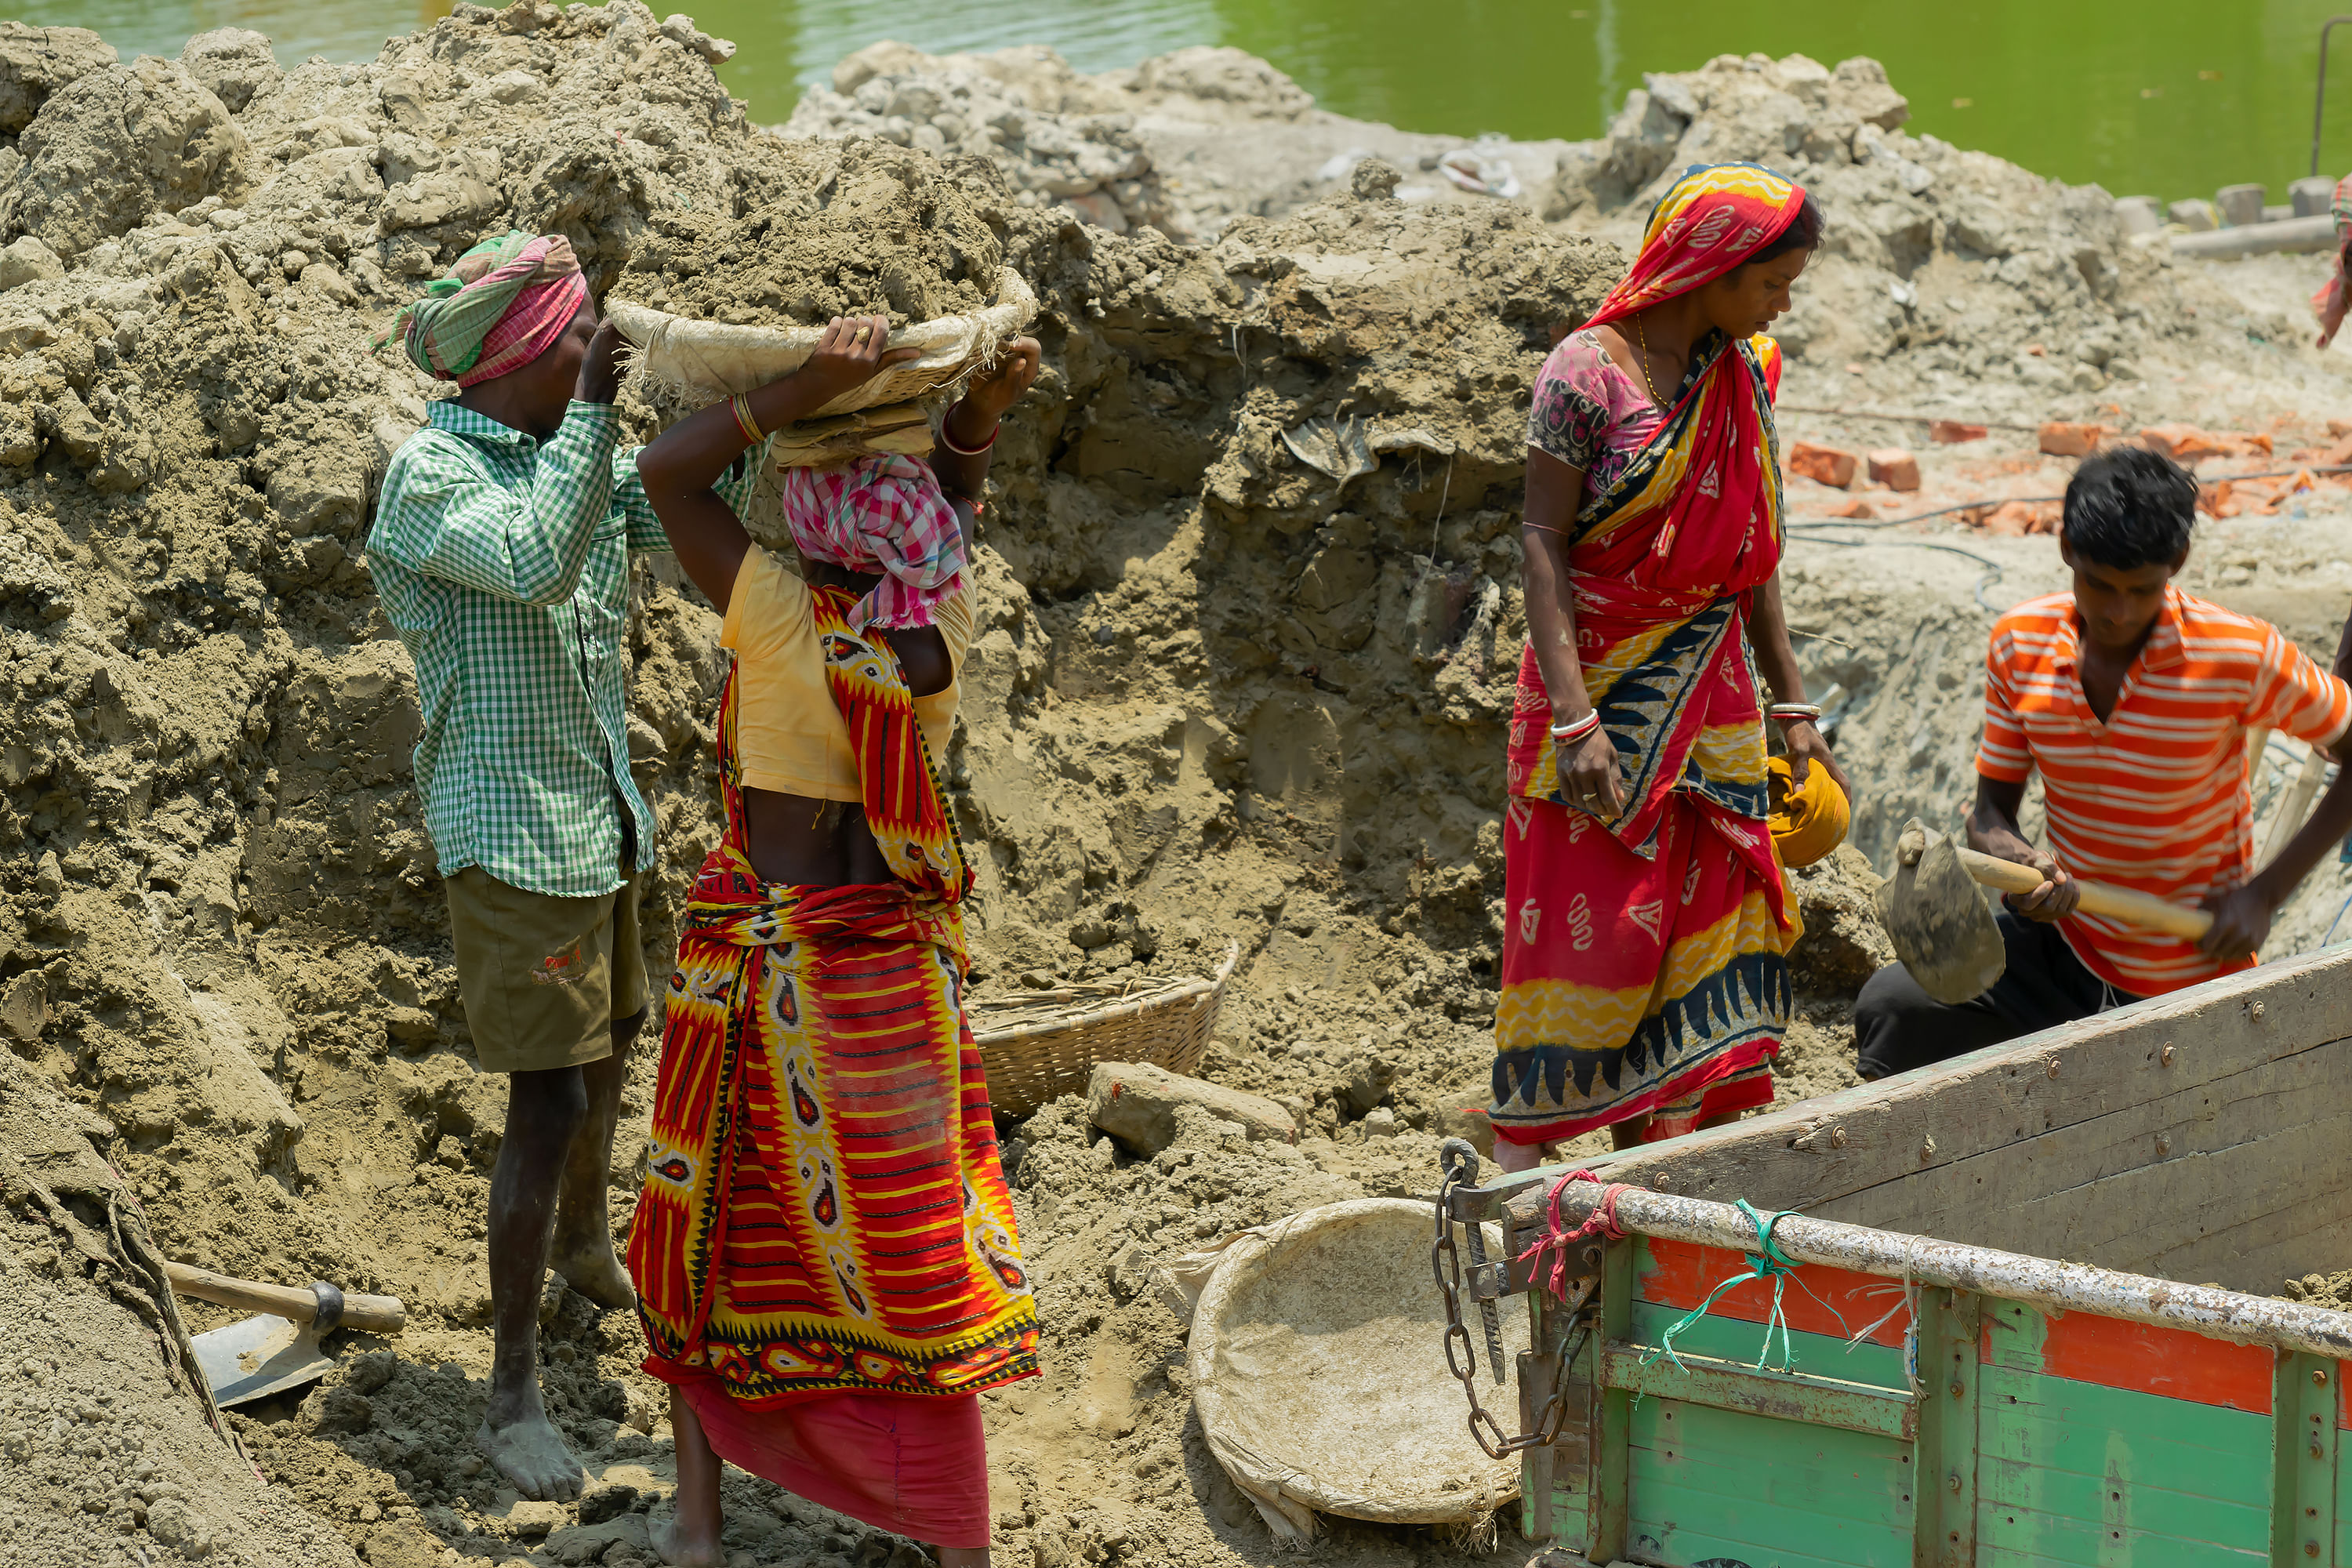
(2077, 1473)
(1719, 1483)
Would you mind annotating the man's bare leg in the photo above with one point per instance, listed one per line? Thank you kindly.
(545, 1114)
(583, 1250)
(689, 1538)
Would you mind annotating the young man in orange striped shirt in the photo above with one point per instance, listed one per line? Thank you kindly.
(2132, 699)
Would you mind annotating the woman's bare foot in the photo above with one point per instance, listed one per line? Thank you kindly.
(531, 1454)
(683, 1549)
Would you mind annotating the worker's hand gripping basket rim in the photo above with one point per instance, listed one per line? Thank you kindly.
(676, 362)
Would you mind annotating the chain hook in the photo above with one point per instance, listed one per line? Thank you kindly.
(1458, 1165)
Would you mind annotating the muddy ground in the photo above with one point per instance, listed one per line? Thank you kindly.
(1217, 696)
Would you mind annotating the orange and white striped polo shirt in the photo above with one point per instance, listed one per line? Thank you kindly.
(2155, 797)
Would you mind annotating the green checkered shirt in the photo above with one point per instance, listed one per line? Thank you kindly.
(504, 564)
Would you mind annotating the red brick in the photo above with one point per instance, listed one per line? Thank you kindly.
(1856, 507)
(2061, 438)
(1951, 432)
(2016, 517)
(2218, 501)
(2187, 443)
(1894, 467)
(1823, 465)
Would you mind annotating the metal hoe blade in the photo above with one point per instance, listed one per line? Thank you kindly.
(1936, 917)
(261, 1355)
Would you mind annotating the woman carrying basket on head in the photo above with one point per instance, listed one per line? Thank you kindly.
(825, 1254)
(1645, 982)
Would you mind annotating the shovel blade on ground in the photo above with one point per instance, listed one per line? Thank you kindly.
(262, 1355)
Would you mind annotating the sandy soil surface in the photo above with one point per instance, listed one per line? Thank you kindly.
(1217, 695)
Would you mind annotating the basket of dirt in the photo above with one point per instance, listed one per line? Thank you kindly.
(679, 363)
(715, 308)
(1038, 1045)
(1320, 1377)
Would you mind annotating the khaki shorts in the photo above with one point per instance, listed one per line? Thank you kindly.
(543, 978)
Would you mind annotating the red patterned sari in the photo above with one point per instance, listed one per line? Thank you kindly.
(1644, 968)
(825, 1226)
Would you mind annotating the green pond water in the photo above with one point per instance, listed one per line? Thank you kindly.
(2166, 97)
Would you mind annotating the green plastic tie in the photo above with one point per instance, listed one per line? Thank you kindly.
(1766, 1262)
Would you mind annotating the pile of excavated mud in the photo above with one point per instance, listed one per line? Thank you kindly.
(1005, 108)
(1949, 280)
(860, 228)
(111, 1452)
(1184, 142)
(1249, 624)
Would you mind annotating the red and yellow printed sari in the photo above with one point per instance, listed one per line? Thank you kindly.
(1644, 968)
(825, 1212)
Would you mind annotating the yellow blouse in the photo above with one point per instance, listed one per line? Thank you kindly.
(789, 736)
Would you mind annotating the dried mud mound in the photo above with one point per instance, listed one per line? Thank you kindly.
(1024, 111)
(859, 228)
(1259, 711)
(110, 1451)
(1949, 280)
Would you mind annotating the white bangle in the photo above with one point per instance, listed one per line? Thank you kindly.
(1808, 710)
(1577, 729)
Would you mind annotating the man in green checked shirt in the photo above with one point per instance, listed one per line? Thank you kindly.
(501, 551)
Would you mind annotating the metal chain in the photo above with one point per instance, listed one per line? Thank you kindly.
(1462, 1355)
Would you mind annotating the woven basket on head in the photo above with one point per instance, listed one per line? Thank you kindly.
(1038, 1045)
(679, 364)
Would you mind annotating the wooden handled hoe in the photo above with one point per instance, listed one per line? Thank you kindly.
(278, 1349)
(1947, 937)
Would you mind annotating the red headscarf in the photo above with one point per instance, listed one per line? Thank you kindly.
(1705, 517)
(1711, 220)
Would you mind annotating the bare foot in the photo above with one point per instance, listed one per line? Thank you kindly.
(594, 1270)
(531, 1453)
(680, 1552)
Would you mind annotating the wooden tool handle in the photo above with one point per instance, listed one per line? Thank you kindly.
(296, 1304)
(2097, 897)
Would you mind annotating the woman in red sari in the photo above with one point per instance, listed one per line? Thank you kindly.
(1647, 921)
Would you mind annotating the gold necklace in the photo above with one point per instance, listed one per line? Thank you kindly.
(1644, 339)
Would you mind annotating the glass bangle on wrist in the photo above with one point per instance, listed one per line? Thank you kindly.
(1784, 712)
(949, 441)
(1576, 729)
(745, 423)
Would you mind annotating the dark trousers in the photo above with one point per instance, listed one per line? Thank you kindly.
(1898, 1027)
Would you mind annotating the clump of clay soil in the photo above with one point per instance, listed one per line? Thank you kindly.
(2333, 1291)
(860, 227)
(111, 1452)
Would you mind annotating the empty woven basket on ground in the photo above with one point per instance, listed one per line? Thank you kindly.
(1318, 1374)
(1038, 1045)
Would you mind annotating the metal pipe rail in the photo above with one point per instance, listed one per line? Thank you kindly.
(2008, 1276)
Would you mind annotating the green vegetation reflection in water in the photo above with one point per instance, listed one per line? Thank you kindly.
(2168, 98)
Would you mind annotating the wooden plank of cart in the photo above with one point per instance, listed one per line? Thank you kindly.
(2068, 1244)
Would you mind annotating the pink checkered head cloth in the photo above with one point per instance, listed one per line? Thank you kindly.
(879, 513)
